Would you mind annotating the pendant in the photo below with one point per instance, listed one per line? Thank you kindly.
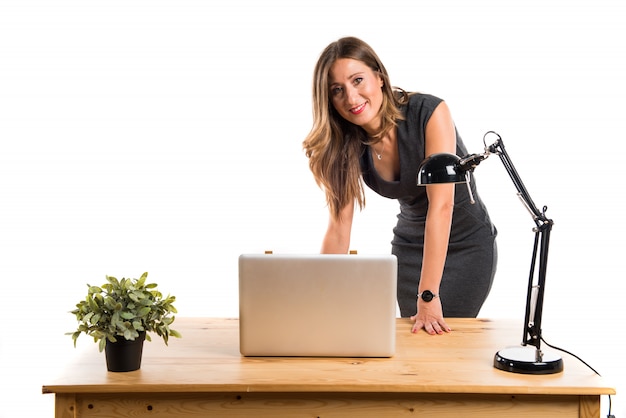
(380, 157)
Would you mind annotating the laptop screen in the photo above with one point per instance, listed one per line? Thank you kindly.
(317, 305)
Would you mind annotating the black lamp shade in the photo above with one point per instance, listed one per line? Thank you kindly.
(440, 168)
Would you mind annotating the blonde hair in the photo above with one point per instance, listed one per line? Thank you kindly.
(334, 145)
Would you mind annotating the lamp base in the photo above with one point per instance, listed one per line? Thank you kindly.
(527, 360)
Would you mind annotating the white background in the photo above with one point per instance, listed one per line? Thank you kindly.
(165, 136)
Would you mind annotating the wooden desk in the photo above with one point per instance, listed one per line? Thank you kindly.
(203, 375)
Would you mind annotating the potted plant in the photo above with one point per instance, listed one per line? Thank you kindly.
(120, 314)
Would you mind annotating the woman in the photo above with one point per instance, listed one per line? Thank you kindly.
(365, 130)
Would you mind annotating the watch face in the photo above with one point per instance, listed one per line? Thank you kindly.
(427, 295)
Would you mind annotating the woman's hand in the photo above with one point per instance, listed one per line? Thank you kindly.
(430, 317)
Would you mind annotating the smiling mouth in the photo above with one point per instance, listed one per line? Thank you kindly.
(358, 109)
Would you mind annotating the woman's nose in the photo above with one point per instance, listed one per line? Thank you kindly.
(352, 94)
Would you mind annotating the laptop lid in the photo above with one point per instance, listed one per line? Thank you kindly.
(335, 305)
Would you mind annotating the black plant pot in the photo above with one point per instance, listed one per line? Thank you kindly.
(124, 355)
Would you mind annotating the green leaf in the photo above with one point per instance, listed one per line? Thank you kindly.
(88, 316)
(92, 304)
(143, 311)
(127, 315)
(94, 289)
(142, 280)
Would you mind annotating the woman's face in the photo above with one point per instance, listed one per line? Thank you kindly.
(356, 93)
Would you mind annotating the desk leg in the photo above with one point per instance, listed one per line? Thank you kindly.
(589, 406)
(65, 405)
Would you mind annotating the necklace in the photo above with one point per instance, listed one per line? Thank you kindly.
(379, 156)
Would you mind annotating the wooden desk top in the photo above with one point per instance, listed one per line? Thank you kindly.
(207, 359)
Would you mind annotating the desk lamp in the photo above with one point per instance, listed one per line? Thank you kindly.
(528, 358)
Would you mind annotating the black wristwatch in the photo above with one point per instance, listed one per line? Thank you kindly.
(427, 295)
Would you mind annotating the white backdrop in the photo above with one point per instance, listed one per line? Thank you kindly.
(165, 136)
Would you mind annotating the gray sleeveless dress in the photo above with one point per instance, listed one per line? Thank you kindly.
(472, 255)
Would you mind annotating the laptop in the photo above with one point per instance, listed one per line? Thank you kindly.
(317, 305)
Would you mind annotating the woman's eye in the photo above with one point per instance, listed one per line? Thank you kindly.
(335, 91)
(358, 80)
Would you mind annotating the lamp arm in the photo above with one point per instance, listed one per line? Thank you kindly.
(535, 291)
(498, 148)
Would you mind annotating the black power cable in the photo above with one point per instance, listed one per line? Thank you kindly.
(609, 415)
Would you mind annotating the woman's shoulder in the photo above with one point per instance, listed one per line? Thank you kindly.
(421, 103)
(424, 99)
